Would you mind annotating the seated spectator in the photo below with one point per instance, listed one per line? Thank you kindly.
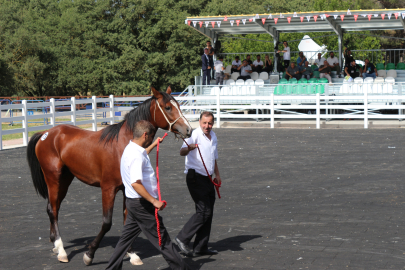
(235, 64)
(293, 72)
(351, 70)
(333, 63)
(245, 70)
(306, 71)
(268, 64)
(301, 60)
(219, 71)
(258, 64)
(325, 70)
(250, 63)
(319, 61)
(369, 70)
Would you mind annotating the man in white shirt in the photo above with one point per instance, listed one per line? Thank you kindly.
(319, 62)
(141, 191)
(235, 64)
(219, 71)
(258, 64)
(333, 63)
(244, 70)
(201, 188)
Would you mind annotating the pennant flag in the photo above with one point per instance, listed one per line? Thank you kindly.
(327, 15)
(250, 20)
(188, 22)
(200, 24)
(275, 20)
(342, 17)
(389, 16)
(403, 15)
(375, 15)
(295, 14)
(213, 24)
(219, 23)
(281, 15)
(244, 21)
(263, 20)
(237, 22)
(308, 18)
(335, 16)
(206, 24)
(302, 18)
(355, 17)
(194, 23)
(396, 15)
(232, 21)
(257, 16)
(364, 15)
(369, 16)
(348, 12)
(315, 17)
(322, 16)
(382, 16)
(289, 19)
(270, 17)
(225, 19)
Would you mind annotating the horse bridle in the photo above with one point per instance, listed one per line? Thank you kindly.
(167, 120)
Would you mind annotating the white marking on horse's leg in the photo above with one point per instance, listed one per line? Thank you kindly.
(134, 259)
(58, 249)
(87, 260)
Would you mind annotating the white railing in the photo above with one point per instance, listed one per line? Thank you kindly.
(272, 106)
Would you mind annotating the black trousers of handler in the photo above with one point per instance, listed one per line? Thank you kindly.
(203, 193)
(206, 77)
(141, 217)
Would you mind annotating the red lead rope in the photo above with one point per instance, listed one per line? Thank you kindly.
(217, 186)
(160, 197)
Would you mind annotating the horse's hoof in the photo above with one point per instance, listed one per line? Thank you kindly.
(87, 260)
(135, 260)
(63, 258)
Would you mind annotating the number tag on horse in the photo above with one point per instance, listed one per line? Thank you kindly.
(44, 136)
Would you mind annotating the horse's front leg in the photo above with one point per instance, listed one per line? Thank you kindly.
(134, 259)
(108, 197)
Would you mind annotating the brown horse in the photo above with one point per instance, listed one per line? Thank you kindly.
(57, 156)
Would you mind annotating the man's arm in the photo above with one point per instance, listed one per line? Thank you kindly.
(347, 73)
(140, 189)
(185, 150)
(216, 171)
(286, 72)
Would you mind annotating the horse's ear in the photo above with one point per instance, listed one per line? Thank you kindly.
(156, 93)
(168, 90)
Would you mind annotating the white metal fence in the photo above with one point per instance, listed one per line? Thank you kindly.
(268, 107)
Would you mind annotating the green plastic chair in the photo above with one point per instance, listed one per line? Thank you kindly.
(301, 89)
(283, 81)
(316, 74)
(310, 89)
(302, 80)
(400, 66)
(279, 90)
(361, 66)
(314, 67)
(289, 89)
(293, 81)
(320, 89)
(380, 66)
(390, 66)
(323, 80)
(313, 80)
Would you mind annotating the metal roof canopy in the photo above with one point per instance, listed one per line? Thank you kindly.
(325, 22)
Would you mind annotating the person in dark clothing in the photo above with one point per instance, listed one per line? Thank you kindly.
(211, 52)
(268, 64)
(293, 72)
(351, 70)
(206, 67)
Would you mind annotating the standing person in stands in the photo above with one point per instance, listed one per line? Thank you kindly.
(268, 64)
(206, 67)
(351, 70)
(258, 64)
(201, 188)
(211, 52)
(319, 61)
(369, 70)
(245, 70)
(219, 71)
(235, 64)
(306, 71)
(325, 70)
(286, 54)
(293, 72)
(333, 63)
(348, 57)
(250, 63)
(301, 60)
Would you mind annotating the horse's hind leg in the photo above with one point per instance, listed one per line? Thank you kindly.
(108, 197)
(58, 184)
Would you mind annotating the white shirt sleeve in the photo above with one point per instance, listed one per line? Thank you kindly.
(189, 141)
(135, 170)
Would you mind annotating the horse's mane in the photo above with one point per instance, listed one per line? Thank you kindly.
(142, 112)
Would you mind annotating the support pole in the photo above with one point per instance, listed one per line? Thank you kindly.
(73, 109)
(25, 122)
(1, 136)
(218, 110)
(94, 116)
(112, 112)
(318, 111)
(52, 109)
(272, 111)
(275, 39)
(365, 110)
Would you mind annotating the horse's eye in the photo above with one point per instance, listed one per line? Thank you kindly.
(168, 108)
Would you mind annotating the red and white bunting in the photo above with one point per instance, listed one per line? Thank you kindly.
(200, 24)
(257, 16)
(376, 15)
(250, 20)
(237, 22)
(335, 16)
(369, 16)
(225, 19)
(364, 15)
(403, 15)
(308, 18)
(355, 17)
(389, 16)
(263, 20)
(281, 15)
(327, 15)
(213, 24)
(270, 17)
(348, 12)
(342, 17)
(396, 15)
(231, 21)
(295, 14)
(289, 19)
(244, 21)
(188, 22)
(194, 23)
(382, 16)
(275, 20)
(315, 17)
(219, 23)
(302, 19)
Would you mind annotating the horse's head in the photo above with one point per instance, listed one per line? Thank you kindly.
(167, 115)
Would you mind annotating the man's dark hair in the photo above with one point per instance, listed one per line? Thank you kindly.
(143, 126)
(237, 57)
(258, 55)
(247, 55)
(285, 42)
(206, 113)
(208, 41)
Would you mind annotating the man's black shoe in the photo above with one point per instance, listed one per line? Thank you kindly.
(183, 247)
(207, 252)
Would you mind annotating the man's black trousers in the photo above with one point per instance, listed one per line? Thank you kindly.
(203, 193)
(141, 217)
(206, 77)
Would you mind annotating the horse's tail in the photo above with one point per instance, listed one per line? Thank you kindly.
(35, 167)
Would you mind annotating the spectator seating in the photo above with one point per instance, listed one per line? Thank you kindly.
(392, 73)
(400, 66)
(390, 66)
(228, 82)
(254, 75)
(380, 66)
(228, 69)
(382, 73)
(264, 75)
(314, 67)
(235, 75)
(316, 74)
